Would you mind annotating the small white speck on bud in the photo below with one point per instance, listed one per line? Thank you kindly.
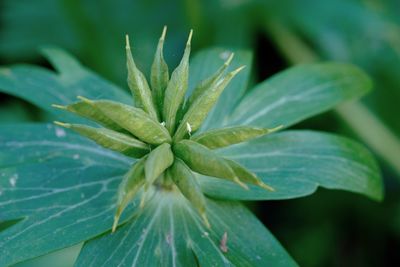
(189, 128)
(163, 123)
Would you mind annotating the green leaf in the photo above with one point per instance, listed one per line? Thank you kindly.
(170, 233)
(122, 143)
(300, 92)
(204, 64)
(157, 162)
(59, 184)
(295, 163)
(43, 87)
(134, 120)
(228, 136)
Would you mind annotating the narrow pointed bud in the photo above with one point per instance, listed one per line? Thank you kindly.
(209, 82)
(176, 89)
(204, 161)
(198, 112)
(247, 176)
(159, 76)
(187, 184)
(157, 162)
(85, 108)
(120, 142)
(228, 136)
(138, 84)
(131, 183)
(133, 120)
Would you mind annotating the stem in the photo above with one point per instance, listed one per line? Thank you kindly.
(356, 114)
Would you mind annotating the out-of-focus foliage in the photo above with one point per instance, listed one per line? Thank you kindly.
(359, 32)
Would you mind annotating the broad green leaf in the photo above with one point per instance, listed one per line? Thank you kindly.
(200, 108)
(134, 120)
(204, 64)
(157, 162)
(59, 184)
(170, 233)
(202, 160)
(43, 87)
(300, 92)
(176, 89)
(140, 89)
(122, 143)
(159, 76)
(227, 136)
(296, 163)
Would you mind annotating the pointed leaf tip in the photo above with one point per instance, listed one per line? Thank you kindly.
(62, 124)
(127, 44)
(114, 227)
(265, 186)
(240, 183)
(164, 32)
(59, 106)
(236, 71)
(205, 220)
(189, 38)
(86, 100)
(229, 60)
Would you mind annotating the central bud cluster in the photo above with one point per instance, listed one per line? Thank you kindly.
(160, 131)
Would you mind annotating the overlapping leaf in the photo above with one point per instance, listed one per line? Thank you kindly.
(43, 87)
(62, 186)
(298, 93)
(295, 163)
(170, 233)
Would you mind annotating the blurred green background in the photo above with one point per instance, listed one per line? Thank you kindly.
(329, 228)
